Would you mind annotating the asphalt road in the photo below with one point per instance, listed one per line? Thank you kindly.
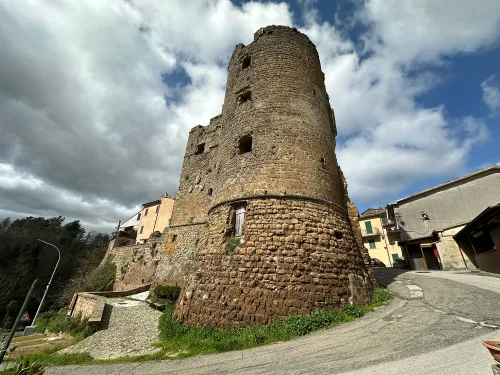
(437, 330)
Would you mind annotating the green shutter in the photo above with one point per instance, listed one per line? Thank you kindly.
(368, 225)
(392, 242)
(395, 258)
(372, 244)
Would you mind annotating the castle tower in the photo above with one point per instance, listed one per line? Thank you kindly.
(279, 240)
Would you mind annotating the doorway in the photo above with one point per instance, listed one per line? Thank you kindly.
(430, 257)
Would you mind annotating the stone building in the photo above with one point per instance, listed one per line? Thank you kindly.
(262, 226)
(263, 180)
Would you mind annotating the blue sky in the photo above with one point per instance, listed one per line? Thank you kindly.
(97, 98)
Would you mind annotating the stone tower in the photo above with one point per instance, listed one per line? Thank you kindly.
(278, 240)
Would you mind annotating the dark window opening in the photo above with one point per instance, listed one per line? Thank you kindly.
(174, 238)
(338, 235)
(139, 216)
(210, 191)
(200, 149)
(245, 144)
(142, 228)
(186, 178)
(314, 92)
(323, 162)
(245, 97)
(146, 212)
(246, 62)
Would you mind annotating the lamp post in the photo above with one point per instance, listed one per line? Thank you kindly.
(50, 281)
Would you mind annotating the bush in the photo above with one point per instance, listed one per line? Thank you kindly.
(232, 244)
(169, 293)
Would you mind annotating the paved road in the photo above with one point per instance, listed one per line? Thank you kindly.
(433, 326)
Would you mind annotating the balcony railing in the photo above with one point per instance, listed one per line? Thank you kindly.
(373, 232)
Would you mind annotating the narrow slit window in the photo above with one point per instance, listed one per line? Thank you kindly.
(146, 212)
(200, 149)
(174, 238)
(142, 228)
(240, 218)
(246, 62)
(245, 144)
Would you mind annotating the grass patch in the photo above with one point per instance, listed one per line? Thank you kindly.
(186, 340)
(179, 340)
(57, 322)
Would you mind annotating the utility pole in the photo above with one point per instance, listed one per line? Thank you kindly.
(16, 322)
(50, 281)
(117, 233)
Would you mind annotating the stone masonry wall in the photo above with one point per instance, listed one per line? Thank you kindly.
(167, 259)
(280, 100)
(194, 196)
(295, 256)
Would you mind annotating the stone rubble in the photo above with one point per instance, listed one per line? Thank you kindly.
(132, 330)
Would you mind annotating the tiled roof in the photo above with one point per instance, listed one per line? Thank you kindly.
(372, 212)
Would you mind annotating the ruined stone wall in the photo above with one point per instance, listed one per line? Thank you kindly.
(194, 196)
(167, 259)
(295, 256)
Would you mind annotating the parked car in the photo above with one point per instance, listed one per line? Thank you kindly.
(374, 262)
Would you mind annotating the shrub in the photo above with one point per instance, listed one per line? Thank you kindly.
(169, 293)
(24, 367)
(56, 322)
(232, 243)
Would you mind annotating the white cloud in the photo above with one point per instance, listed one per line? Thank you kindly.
(491, 93)
(87, 133)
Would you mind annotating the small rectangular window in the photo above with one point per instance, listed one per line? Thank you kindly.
(146, 212)
(368, 225)
(245, 144)
(372, 244)
(200, 149)
(142, 228)
(245, 97)
(240, 218)
(139, 216)
(392, 242)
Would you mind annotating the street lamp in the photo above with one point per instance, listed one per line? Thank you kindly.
(48, 285)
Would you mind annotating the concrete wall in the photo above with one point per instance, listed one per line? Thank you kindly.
(452, 258)
(90, 306)
(488, 261)
(448, 207)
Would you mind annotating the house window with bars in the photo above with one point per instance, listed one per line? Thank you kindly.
(240, 218)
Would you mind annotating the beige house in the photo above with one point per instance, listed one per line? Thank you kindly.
(375, 237)
(426, 224)
(154, 216)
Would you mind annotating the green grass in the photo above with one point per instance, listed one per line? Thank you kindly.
(179, 340)
(184, 340)
(56, 322)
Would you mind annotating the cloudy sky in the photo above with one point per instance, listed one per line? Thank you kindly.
(97, 97)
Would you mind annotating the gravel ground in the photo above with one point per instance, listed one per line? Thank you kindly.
(131, 331)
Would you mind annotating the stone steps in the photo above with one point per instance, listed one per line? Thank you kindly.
(36, 343)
